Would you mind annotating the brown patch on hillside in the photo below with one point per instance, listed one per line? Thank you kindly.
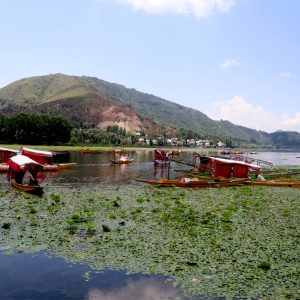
(99, 112)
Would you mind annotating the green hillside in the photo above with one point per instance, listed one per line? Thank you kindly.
(45, 92)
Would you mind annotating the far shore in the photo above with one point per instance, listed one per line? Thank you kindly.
(137, 148)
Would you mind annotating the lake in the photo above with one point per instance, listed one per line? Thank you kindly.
(93, 168)
(45, 276)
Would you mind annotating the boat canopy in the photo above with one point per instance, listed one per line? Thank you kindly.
(160, 154)
(41, 156)
(227, 167)
(22, 162)
(6, 154)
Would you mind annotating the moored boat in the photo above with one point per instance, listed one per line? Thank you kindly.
(161, 157)
(21, 166)
(196, 183)
(88, 151)
(126, 160)
(45, 158)
(121, 157)
(278, 183)
(64, 166)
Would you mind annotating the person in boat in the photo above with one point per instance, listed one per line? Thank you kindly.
(259, 177)
(28, 178)
(123, 158)
(15, 176)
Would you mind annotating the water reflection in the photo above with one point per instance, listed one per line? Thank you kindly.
(24, 276)
(161, 170)
(141, 289)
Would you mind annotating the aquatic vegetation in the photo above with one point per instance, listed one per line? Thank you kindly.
(233, 242)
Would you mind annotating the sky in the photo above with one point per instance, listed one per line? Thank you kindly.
(236, 60)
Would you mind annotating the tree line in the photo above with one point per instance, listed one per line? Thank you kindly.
(34, 129)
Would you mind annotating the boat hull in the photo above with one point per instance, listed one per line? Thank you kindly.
(278, 183)
(33, 189)
(196, 183)
(121, 162)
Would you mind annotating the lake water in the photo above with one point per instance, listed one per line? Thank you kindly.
(93, 168)
(40, 276)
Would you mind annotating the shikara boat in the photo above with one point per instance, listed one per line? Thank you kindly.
(57, 167)
(127, 160)
(196, 183)
(161, 156)
(121, 157)
(278, 183)
(33, 189)
(18, 165)
(64, 166)
(88, 151)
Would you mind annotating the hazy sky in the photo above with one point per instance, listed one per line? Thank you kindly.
(236, 60)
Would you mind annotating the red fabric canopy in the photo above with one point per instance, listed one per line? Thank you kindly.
(21, 162)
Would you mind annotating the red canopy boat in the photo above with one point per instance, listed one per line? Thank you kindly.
(18, 165)
(40, 156)
(161, 156)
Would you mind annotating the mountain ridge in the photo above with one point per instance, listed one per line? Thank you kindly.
(98, 103)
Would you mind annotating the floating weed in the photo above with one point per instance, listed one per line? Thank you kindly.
(103, 198)
(265, 266)
(55, 198)
(207, 218)
(90, 228)
(139, 200)
(72, 229)
(32, 210)
(117, 202)
(90, 200)
(210, 241)
(33, 223)
(76, 219)
(112, 216)
(166, 204)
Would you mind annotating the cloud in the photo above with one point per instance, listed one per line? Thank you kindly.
(285, 74)
(291, 122)
(198, 8)
(238, 111)
(229, 63)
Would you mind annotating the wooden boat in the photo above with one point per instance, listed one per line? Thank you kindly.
(196, 183)
(88, 151)
(64, 166)
(57, 167)
(41, 156)
(33, 189)
(125, 161)
(278, 183)
(18, 165)
(121, 157)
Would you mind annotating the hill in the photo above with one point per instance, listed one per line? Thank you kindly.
(92, 102)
